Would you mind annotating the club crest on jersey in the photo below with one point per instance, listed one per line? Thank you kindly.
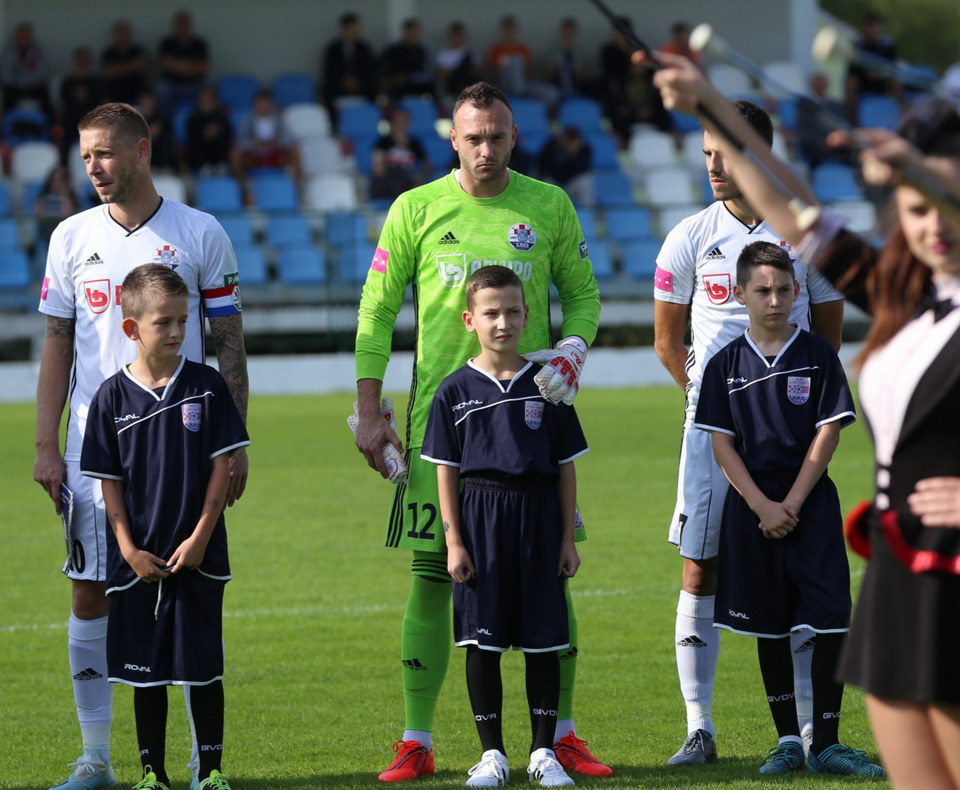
(522, 237)
(798, 389)
(717, 287)
(98, 294)
(533, 413)
(191, 414)
(168, 256)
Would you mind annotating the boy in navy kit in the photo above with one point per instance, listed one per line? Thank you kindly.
(159, 437)
(510, 532)
(774, 401)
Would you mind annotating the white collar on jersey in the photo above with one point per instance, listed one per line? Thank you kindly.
(497, 381)
(780, 353)
(145, 388)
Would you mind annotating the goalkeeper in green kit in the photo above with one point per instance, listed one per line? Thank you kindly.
(434, 237)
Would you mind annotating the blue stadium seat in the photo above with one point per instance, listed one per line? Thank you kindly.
(6, 204)
(531, 142)
(440, 153)
(363, 153)
(353, 261)
(218, 194)
(878, 112)
(181, 117)
(14, 269)
(683, 123)
(287, 230)
(24, 126)
(613, 188)
(604, 152)
(588, 222)
(422, 114)
(530, 117)
(628, 224)
(639, 258)
(583, 113)
(346, 227)
(252, 266)
(788, 112)
(302, 265)
(275, 192)
(601, 259)
(239, 229)
(236, 91)
(832, 182)
(293, 88)
(358, 120)
(9, 234)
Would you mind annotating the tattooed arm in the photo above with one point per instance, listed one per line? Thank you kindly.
(52, 386)
(232, 359)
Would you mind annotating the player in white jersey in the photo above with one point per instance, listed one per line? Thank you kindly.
(90, 254)
(693, 284)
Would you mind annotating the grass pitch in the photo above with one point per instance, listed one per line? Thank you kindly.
(312, 619)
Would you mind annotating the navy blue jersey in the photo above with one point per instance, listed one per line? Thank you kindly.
(774, 408)
(498, 429)
(160, 445)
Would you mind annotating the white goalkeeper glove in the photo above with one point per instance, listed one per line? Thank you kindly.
(560, 378)
(392, 458)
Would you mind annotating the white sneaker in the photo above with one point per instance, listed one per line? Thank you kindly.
(807, 735)
(91, 772)
(491, 771)
(545, 769)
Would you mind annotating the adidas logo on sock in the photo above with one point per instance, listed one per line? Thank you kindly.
(93, 259)
(715, 255)
(413, 663)
(87, 674)
(808, 645)
(571, 653)
(449, 238)
(692, 641)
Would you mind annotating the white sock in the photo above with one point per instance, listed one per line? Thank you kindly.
(698, 648)
(791, 739)
(564, 728)
(194, 764)
(423, 737)
(92, 692)
(802, 645)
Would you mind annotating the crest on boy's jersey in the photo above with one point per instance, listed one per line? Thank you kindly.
(191, 414)
(798, 389)
(533, 413)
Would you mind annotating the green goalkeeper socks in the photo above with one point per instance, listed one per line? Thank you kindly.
(568, 662)
(425, 649)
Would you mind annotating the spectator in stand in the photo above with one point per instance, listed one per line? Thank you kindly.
(23, 71)
(349, 66)
(164, 154)
(209, 135)
(407, 70)
(184, 64)
(565, 160)
(399, 161)
(861, 81)
(811, 133)
(124, 65)
(80, 91)
(457, 64)
(55, 202)
(628, 95)
(511, 63)
(566, 69)
(264, 141)
(679, 43)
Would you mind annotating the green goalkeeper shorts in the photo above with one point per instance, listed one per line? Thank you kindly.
(415, 521)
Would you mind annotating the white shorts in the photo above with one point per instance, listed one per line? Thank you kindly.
(86, 542)
(701, 490)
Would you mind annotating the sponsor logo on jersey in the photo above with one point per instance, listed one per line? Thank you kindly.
(136, 668)
(484, 631)
(466, 403)
(716, 255)
(126, 418)
(97, 293)
(737, 380)
(584, 250)
(449, 238)
(191, 414)
(380, 259)
(231, 279)
(533, 413)
(798, 389)
(522, 237)
(452, 268)
(663, 280)
(93, 260)
(45, 289)
(168, 256)
(738, 615)
(717, 287)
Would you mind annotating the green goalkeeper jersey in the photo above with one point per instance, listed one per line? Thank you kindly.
(434, 237)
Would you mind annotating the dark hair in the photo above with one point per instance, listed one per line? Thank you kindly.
(349, 18)
(898, 280)
(147, 283)
(757, 117)
(481, 95)
(679, 27)
(125, 119)
(762, 253)
(493, 276)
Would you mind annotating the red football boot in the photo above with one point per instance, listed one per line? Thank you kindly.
(413, 760)
(573, 755)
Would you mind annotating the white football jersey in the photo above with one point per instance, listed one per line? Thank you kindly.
(90, 255)
(697, 265)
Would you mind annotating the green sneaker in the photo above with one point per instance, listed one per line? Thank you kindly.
(844, 761)
(149, 781)
(216, 781)
(783, 759)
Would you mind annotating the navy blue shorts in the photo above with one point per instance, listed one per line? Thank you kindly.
(167, 633)
(512, 532)
(770, 587)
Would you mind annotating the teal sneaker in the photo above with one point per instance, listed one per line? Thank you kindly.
(844, 761)
(91, 772)
(783, 759)
(149, 781)
(216, 781)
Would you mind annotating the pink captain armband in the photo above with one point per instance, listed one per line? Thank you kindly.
(820, 236)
